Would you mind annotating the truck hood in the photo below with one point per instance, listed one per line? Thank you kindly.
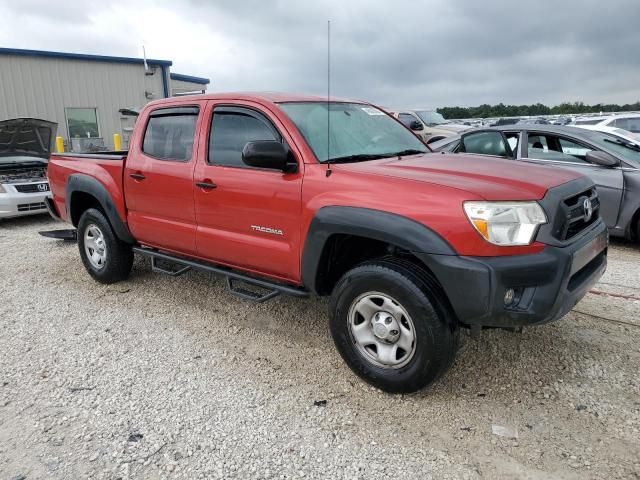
(26, 137)
(486, 177)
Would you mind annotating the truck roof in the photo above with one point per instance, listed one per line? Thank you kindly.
(263, 97)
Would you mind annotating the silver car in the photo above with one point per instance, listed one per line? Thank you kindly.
(610, 161)
(25, 146)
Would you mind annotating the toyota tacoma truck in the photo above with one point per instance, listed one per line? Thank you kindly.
(300, 195)
(25, 146)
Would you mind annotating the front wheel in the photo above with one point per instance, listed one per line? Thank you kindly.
(390, 324)
(106, 258)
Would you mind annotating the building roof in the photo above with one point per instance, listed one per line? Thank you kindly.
(82, 56)
(188, 78)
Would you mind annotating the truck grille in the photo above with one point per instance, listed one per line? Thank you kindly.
(28, 207)
(33, 188)
(574, 212)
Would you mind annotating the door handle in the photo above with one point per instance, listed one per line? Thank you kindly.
(206, 185)
(137, 176)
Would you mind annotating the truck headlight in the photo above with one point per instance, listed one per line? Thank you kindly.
(506, 223)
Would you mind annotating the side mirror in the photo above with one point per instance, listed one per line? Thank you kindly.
(416, 125)
(601, 158)
(267, 154)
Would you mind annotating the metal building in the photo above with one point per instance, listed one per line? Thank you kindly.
(85, 93)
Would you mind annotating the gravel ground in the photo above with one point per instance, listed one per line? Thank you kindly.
(162, 377)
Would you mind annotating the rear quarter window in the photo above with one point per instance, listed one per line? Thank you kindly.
(170, 136)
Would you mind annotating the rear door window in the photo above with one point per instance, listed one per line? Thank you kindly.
(556, 148)
(170, 133)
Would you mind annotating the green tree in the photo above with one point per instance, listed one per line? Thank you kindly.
(502, 110)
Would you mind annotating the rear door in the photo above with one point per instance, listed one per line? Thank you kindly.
(248, 218)
(158, 179)
(565, 152)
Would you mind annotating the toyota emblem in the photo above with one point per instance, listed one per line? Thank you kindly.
(588, 209)
(43, 187)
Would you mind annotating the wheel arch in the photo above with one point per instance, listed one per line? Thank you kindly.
(340, 237)
(83, 192)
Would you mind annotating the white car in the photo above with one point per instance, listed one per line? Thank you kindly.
(630, 137)
(429, 125)
(25, 146)
(625, 121)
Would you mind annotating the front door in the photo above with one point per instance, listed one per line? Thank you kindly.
(158, 180)
(248, 218)
(565, 152)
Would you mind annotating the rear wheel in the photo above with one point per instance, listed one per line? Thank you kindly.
(106, 258)
(391, 326)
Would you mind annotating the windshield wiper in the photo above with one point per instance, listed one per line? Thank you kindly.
(629, 145)
(410, 151)
(360, 157)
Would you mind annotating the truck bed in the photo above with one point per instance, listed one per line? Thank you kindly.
(105, 167)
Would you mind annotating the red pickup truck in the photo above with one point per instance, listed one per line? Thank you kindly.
(298, 195)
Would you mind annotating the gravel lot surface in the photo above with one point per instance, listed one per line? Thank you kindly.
(162, 377)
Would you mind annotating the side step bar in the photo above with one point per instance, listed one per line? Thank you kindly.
(235, 280)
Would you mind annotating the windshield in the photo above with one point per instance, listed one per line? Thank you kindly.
(357, 132)
(431, 118)
(623, 148)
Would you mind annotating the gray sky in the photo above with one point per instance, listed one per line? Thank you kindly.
(401, 53)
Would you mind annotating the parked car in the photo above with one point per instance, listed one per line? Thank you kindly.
(632, 138)
(25, 146)
(430, 126)
(629, 121)
(410, 245)
(505, 121)
(533, 120)
(612, 163)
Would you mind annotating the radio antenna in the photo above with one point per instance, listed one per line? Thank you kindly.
(328, 172)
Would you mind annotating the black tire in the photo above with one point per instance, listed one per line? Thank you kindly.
(118, 256)
(435, 327)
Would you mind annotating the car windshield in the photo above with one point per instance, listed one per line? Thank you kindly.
(431, 118)
(357, 132)
(624, 149)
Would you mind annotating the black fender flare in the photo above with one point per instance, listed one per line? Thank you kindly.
(83, 183)
(387, 227)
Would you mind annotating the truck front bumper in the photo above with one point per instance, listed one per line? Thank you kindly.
(545, 286)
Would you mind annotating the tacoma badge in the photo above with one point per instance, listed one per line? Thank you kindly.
(272, 231)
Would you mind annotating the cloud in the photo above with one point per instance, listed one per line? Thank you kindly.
(422, 54)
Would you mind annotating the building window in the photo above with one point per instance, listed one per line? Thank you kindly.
(82, 122)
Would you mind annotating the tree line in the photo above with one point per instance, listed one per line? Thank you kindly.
(501, 110)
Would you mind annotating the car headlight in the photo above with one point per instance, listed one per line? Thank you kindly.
(506, 223)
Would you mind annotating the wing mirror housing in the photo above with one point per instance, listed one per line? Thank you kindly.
(416, 125)
(268, 154)
(601, 158)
